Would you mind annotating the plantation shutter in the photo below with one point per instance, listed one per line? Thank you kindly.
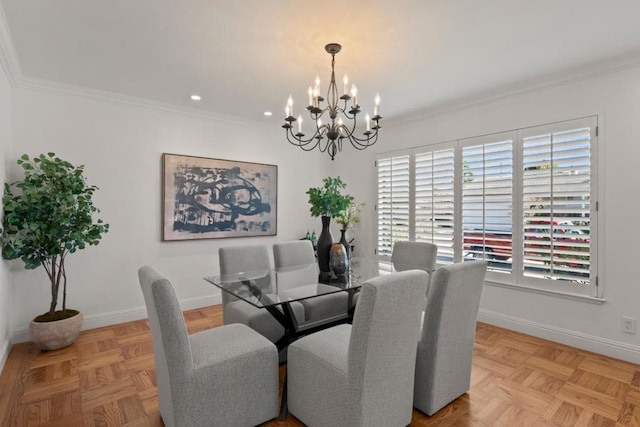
(557, 202)
(393, 202)
(487, 199)
(434, 201)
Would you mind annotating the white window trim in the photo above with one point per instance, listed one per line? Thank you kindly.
(546, 284)
(516, 280)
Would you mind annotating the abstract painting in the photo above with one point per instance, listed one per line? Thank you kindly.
(206, 198)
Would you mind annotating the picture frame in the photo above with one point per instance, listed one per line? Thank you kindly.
(208, 198)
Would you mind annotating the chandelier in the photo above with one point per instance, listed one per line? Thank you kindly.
(342, 116)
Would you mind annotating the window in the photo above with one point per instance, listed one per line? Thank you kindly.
(393, 202)
(487, 192)
(556, 197)
(434, 201)
(523, 200)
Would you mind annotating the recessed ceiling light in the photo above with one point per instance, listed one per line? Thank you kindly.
(196, 97)
(267, 113)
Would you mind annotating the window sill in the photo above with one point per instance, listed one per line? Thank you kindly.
(575, 297)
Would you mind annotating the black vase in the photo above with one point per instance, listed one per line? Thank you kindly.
(344, 242)
(324, 245)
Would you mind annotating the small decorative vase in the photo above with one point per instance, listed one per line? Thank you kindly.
(338, 260)
(344, 242)
(324, 244)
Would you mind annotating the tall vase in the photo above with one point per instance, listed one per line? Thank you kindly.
(344, 242)
(324, 245)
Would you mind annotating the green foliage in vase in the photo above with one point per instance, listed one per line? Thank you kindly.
(328, 200)
(48, 215)
(350, 216)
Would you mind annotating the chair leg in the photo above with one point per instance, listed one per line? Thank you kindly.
(284, 408)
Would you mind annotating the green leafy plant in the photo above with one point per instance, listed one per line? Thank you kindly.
(328, 200)
(47, 217)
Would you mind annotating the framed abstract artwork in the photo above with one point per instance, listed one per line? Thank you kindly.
(206, 198)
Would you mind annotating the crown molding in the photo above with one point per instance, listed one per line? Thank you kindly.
(558, 79)
(8, 56)
(11, 65)
(47, 86)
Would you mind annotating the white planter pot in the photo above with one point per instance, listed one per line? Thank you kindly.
(57, 334)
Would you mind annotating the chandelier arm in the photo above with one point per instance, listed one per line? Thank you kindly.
(354, 124)
(369, 140)
(305, 147)
(318, 113)
(365, 142)
(358, 145)
(326, 146)
(299, 142)
(347, 113)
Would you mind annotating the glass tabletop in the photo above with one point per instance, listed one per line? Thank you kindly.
(269, 287)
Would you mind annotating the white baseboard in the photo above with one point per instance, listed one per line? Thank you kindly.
(4, 352)
(199, 302)
(616, 349)
(112, 318)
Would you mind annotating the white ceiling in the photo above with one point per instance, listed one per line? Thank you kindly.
(247, 56)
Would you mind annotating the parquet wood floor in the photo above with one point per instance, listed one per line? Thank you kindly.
(107, 378)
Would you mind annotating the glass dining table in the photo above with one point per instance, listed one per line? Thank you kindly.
(275, 289)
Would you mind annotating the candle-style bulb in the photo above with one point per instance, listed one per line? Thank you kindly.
(300, 124)
(368, 120)
(376, 108)
(345, 80)
(290, 106)
(354, 95)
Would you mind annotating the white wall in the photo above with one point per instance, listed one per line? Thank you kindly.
(5, 137)
(616, 97)
(121, 146)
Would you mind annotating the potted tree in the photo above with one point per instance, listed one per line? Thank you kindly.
(47, 216)
(327, 202)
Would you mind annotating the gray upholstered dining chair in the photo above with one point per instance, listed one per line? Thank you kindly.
(362, 375)
(445, 350)
(225, 376)
(300, 252)
(237, 259)
(409, 255)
